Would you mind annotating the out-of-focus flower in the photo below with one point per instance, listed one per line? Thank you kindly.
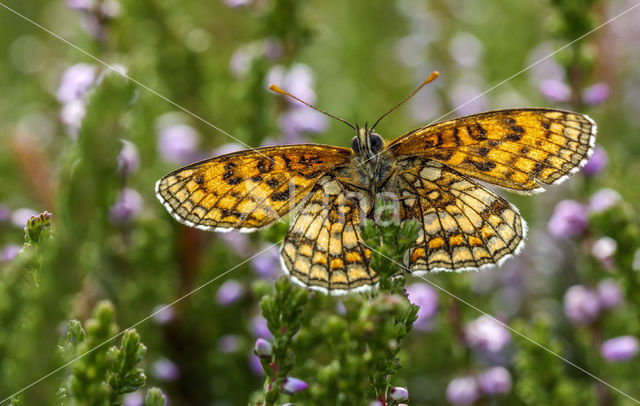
(237, 241)
(267, 263)
(495, 381)
(163, 314)
(424, 296)
(293, 385)
(463, 390)
(259, 327)
(635, 264)
(485, 333)
(127, 207)
(255, 365)
(569, 219)
(82, 5)
(165, 370)
(543, 67)
(229, 343)
(9, 252)
(20, 217)
(466, 49)
(581, 305)
(76, 82)
(228, 148)
(128, 159)
(297, 80)
(609, 293)
(229, 292)
(236, 3)
(71, 115)
(468, 99)
(603, 249)
(134, 399)
(375, 403)
(604, 199)
(596, 94)
(177, 143)
(263, 348)
(597, 162)
(621, 348)
(5, 213)
(273, 49)
(242, 59)
(298, 120)
(555, 90)
(399, 394)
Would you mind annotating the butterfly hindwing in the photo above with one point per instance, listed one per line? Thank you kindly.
(246, 190)
(323, 247)
(464, 225)
(519, 149)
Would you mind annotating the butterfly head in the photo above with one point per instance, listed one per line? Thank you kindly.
(366, 144)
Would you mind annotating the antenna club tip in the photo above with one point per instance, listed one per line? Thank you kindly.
(276, 89)
(432, 77)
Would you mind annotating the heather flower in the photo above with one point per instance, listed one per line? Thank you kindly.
(71, 115)
(466, 49)
(603, 249)
(255, 366)
(298, 120)
(133, 399)
(263, 348)
(163, 314)
(9, 252)
(243, 57)
(297, 80)
(424, 296)
(267, 263)
(293, 385)
(76, 82)
(604, 199)
(81, 5)
(375, 403)
(468, 99)
(259, 327)
(20, 217)
(609, 293)
(165, 370)
(486, 333)
(229, 343)
(399, 394)
(236, 3)
(229, 292)
(621, 348)
(127, 207)
(495, 381)
(237, 241)
(581, 305)
(128, 159)
(555, 90)
(463, 390)
(596, 163)
(177, 143)
(569, 219)
(5, 213)
(596, 94)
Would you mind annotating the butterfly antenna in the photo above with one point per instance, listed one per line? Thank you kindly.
(430, 79)
(276, 89)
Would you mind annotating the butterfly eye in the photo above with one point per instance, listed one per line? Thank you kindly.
(355, 145)
(376, 142)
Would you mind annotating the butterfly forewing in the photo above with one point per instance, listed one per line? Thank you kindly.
(246, 190)
(519, 149)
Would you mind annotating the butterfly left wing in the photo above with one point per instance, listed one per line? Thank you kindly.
(519, 149)
(464, 225)
(246, 190)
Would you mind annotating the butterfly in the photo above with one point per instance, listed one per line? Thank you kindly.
(432, 175)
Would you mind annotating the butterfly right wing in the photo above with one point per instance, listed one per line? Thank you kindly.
(246, 190)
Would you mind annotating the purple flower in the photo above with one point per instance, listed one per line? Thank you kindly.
(242, 58)
(263, 348)
(165, 370)
(463, 390)
(5, 213)
(298, 120)
(259, 327)
(399, 394)
(127, 207)
(20, 217)
(229, 292)
(375, 403)
(163, 314)
(255, 365)
(229, 343)
(293, 385)
(596, 93)
(604, 199)
(134, 399)
(603, 249)
(9, 252)
(569, 219)
(128, 159)
(81, 5)
(298, 81)
(597, 162)
(71, 115)
(267, 263)
(468, 99)
(466, 49)
(495, 381)
(177, 143)
(555, 90)
(76, 82)
(236, 3)
(581, 305)
(620, 348)
(609, 293)
(426, 297)
(237, 241)
(486, 333)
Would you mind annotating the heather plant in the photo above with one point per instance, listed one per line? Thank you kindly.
(91, 265)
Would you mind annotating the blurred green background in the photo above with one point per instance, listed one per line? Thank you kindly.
(63, 117)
